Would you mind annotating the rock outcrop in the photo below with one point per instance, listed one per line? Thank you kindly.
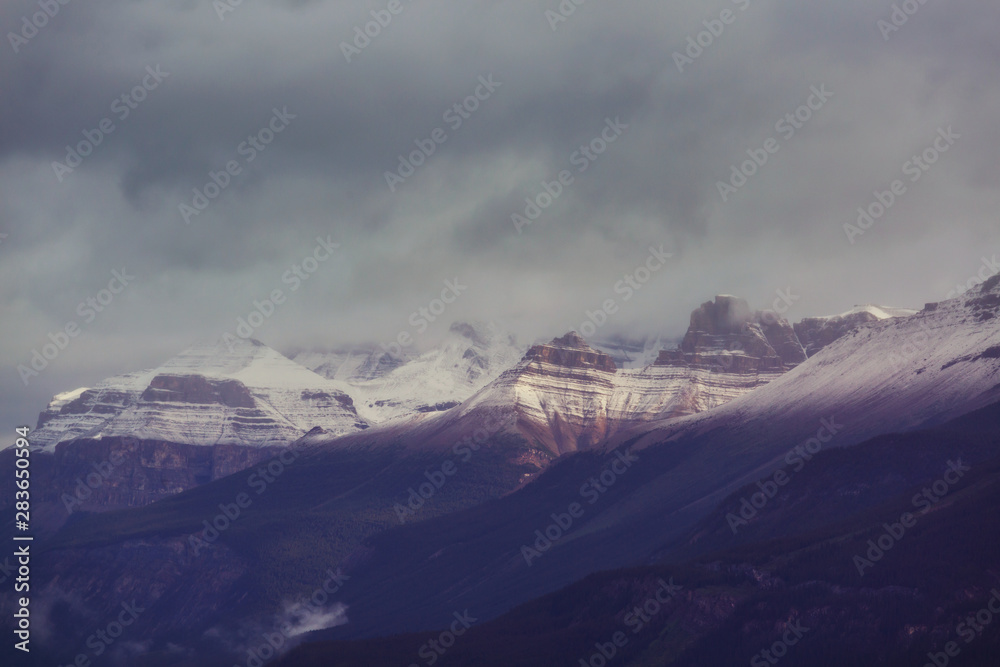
(566, 396)
(726, 336)
(198, 390)
(570, 352)
(815, 333)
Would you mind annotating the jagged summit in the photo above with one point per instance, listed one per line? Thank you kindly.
(985, 301)
(726, 335)
(727, 314)
(572, 340)
(990, 285)
(387, 388)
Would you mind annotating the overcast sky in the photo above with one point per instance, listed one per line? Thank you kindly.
(554, 85)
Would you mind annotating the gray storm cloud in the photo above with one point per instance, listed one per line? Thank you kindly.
(694, 113)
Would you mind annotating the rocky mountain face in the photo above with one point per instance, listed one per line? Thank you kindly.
(209, 412)
(565, 395)
(210, 394)
(463, 547)
(114, 472)
(559, 397)
(815, 333)
(726, 335)
(569, 352)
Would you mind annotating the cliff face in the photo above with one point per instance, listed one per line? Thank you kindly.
(570, 352)
(560, 394)
(137, 472)
(208, 395)
(118, 472)
(815, 333)
(198, 390)
(725, 335)
(818, 332)
(780, 335)
(565, 396)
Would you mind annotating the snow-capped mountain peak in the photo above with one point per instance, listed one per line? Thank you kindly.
(891, 374)
(565, 395)
(240, 392)
(471, 355)
(815, 333)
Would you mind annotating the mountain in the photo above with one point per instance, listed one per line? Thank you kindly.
(893, 376)
(906, 370)
(248, 394)
(815, 333)
(725, 335)
(431, 513)
(387, 387)
(209, 412)
(561, 397)
(352, 363)
(244, 394)
(723, 598)
(566, 395)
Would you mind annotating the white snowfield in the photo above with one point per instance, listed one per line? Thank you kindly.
(473, 355)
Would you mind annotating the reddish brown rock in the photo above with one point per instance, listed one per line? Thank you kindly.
(571, 351)
(725, 335)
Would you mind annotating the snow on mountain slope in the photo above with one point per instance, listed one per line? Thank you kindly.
(72, 414)
(815, 333)
(566, 396)
(665, 392)
(879, 312)
(563, 396)
(469, 358)
(350, 364)
(894, 374)
(209, 394)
